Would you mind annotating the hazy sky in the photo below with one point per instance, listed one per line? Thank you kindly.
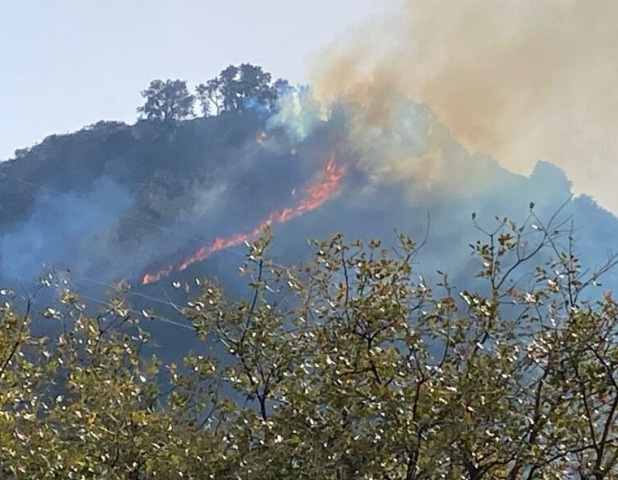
(70, 63)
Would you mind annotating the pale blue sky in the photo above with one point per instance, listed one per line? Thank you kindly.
(70, 63)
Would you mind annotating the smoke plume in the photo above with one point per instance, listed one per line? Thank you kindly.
(520, 81)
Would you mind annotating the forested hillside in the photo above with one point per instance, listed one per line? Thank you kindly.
(116, 201)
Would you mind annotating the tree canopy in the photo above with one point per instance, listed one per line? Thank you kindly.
(240, 87)
(167, 100)
(235, 89)
(352, 366)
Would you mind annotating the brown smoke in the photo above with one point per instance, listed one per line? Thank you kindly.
(519, 80)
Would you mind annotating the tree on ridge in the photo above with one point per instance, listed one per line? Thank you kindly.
(167, 101)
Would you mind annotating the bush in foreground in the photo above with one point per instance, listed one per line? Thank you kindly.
(345, 368)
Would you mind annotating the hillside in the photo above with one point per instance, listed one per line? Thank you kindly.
(116, 182)
(161, 201)
(163, 337)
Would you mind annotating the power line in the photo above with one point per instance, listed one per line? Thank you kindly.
(134, 312)
(129, 292)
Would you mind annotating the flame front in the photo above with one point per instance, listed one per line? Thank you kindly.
(310, 199)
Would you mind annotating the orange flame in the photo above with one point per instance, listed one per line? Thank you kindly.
(313, 197)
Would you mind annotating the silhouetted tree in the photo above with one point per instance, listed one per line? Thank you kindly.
(255, 86)
(238, 88)
(167, 101)
(282, 87)
(229, 88)
(209, 95)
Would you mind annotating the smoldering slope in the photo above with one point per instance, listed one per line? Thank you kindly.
(64, 230)
(116, 225)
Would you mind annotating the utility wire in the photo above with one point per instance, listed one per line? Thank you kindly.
(134, 312)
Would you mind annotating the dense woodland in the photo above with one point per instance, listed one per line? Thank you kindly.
(351, 364)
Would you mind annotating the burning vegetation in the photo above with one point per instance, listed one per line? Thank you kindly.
(320, 190)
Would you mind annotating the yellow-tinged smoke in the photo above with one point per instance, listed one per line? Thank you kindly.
(519, 80)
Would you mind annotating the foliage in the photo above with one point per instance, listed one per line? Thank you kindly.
(210, 97)
(167, 100)
(238, 88)
(349, 367)
(235, 89)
